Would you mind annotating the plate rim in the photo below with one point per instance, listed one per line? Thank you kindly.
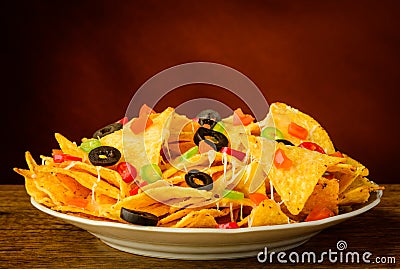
(100, 223)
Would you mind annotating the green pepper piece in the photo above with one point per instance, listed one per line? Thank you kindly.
(220, 127)
(150, 173)
(272, 133)
(189, 153)
(90, 144)
(234, 195)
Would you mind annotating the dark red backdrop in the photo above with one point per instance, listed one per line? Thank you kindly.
(73, 66)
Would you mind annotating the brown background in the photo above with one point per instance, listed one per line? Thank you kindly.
(73, 66)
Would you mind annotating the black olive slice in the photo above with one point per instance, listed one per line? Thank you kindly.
(109, 129)
(104, 156)
(210, 122)
(284, 141)
(138, 217)
(209, 114)
(203, 177)
(202, 134)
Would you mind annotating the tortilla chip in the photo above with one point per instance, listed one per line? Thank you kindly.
(326, 194)
(109, 175)
(69, 147)
(364, 171)
(144, 148)
(267, 212)
(296, 184)
(346, 173)
(30, 161)
(140, 200)
(30, 186)
(53, 187)
(204, 218)
(357, 195)
(358, 192)
(85, 180)
(72, 185)
(176, 215)
(281, 115)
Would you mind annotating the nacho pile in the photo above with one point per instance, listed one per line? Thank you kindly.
(171, 171)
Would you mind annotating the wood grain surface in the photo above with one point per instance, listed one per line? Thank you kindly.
(32, 239)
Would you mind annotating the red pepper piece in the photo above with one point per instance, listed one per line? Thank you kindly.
(145, 110)
(59, 158)
(140, 124)
(297, 131)
(235, 153)
(257, 198)
(240, 118)
(136, 188)
(123, 121)
(319, 212)
(312, 146)
(281, 160)
(229, 225)
(337, 154)
(127, 171)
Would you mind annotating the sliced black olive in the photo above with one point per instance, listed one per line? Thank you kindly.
(203, 177)
(209, 114)
(210, 122)
(202, 134)
(284, 141)
(109, 129)
(104, 156)
(138, 217)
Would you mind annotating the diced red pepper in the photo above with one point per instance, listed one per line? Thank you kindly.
(337, 154)
(145, 110)
(240, 118)
(229, 225)
(127, 171)
(281, 161)
(235, 153)
(140, 124)
(123, 121)
(319, 212)
(61, 157)
(257, 198)
(297, 131)
(312, 146)
(136, 188)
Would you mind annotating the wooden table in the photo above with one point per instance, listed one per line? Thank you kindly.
(32, 239)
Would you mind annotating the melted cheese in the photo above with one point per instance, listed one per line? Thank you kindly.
(72, 164)
(95, 185)
(272, 190)
(230, 211)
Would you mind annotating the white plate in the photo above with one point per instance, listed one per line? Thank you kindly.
(205, 243)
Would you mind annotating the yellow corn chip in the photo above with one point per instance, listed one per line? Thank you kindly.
(109, 175)
(69, 147)
(85, 180)
(281, 115)
(296, 184)
(144, 148)
(30, 186)
(357, 195)
(204, 218)
(326, 194)
(267, 212)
